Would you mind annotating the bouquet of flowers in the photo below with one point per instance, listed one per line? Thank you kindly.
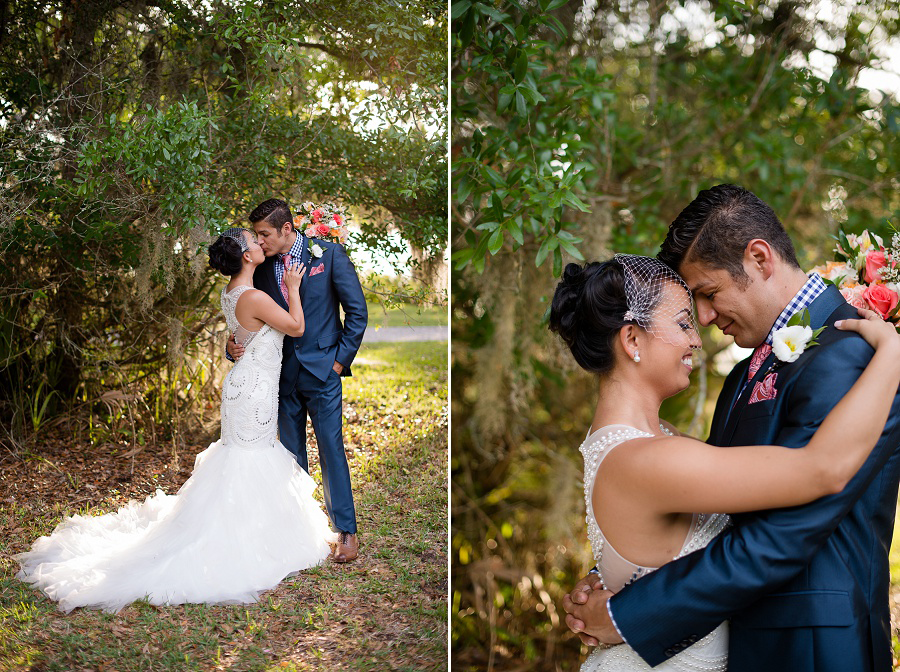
(326, 221)
(866, 272)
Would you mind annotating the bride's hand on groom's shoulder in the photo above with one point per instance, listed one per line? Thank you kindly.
(877, 332)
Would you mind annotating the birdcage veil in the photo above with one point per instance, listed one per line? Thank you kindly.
(658, 310)
(236, 233)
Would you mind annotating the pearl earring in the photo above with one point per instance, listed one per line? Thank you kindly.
(637, 357)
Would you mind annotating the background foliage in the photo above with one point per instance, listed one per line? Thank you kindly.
(582, 128)
(130, 129)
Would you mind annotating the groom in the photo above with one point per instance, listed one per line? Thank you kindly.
(806, 588)
(312, 365)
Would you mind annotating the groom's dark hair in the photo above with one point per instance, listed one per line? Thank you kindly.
(716, 227)
(273, 211)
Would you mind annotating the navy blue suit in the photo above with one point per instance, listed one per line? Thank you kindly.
(309, 385)
(806, 587)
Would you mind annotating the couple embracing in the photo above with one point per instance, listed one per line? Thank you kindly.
(246, 518)
(765, 548)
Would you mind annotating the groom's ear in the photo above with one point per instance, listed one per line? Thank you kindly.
(759, 259)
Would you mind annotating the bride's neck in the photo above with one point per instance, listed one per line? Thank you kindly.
(245, 277)
(625, 402)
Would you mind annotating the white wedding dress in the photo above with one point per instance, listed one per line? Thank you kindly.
(709, 654)
(242, 522)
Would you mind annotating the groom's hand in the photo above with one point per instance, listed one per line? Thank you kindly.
(235, 349)
(338, 367)
(587, 614)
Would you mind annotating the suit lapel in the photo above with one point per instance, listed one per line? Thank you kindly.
(305, 259)
(269, 269)
(731, 424)
(726, 402)
(819, 312)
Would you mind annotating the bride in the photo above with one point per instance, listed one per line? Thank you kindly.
(630, 321)
(246, 517)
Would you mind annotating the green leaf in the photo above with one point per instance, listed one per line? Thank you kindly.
(521, 108)
(571, 249)
(542, 252)
(515, 230)
(468, 30)
(557, 262)
(463, 189)
(496, 241)
(573, 201)
(459, 8)
(555, 4)
(521, 66)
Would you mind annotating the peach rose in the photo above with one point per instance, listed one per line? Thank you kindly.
(874, 261)
(882, 299)
(854, 296)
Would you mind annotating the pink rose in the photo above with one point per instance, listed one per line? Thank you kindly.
(882, 299)
(874, 261)
(316, 215)
(323, 229)
(854, 296)
(310, 232)
(338, 220)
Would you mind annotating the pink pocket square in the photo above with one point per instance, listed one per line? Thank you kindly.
(764, 389)
(315, 270)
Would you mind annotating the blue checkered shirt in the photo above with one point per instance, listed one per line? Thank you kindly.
(295, 252)
(807, 294)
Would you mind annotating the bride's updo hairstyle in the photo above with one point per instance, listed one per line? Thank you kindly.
(593, 302)
(588, 310)
(226, 252)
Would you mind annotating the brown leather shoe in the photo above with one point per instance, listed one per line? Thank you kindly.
(347, 548)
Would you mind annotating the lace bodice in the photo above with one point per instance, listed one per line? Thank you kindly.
(250, 390)
(616, 571)
(229, 307)
(710, 653)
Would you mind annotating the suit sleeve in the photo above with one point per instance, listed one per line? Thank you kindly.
(684, 600)
(356, 315)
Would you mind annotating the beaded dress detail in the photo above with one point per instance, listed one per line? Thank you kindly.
(709, 654)
(243, 521)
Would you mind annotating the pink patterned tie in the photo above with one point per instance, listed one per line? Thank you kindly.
(285, 260)
(759, 356)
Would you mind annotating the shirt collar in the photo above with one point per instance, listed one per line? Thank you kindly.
(296, 248)
(810, 291)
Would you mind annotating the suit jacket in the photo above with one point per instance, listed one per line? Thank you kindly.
(329, 282)
(806, 587)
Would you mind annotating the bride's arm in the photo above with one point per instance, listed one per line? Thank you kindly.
(680, 474)
(263, 307)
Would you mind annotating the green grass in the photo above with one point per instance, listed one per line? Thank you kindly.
(386, 611)
(404, 315)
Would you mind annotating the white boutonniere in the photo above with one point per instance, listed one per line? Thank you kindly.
(316, 251)
(792, 340)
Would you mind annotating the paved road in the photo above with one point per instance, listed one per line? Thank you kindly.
(406, 333)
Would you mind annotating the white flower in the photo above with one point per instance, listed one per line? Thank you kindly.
(316, 250)
(840, 272)
(788, 343)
